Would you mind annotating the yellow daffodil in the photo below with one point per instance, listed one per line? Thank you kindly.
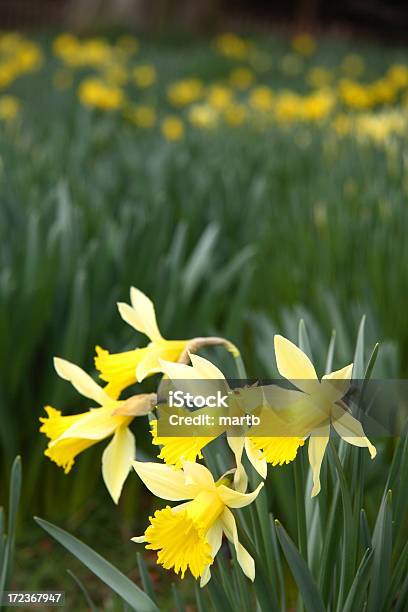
(172, 128)
(144, 75)
(70, 435)
(231, 45)
(304, 44)
(177, 449)
(319, 404)
(241, 77)
(96, 93)
(141, 115)
(185, 92)
(9, 108)
(189, 535)
(120, 370)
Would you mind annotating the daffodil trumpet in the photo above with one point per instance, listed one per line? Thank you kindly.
(188, 536)
(121, 370)
(319, 402)
(70, 435)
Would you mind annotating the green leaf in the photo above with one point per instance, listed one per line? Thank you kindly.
(303, 339)
(178, 601)
(109, 574)
(145, 577)
(301, 573)
(382, 547)
(355, 598)
(330, 353)
(83, 590)
(358, 361)
(14, 500)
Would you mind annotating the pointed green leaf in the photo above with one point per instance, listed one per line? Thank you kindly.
(109, 574)
(301, 573)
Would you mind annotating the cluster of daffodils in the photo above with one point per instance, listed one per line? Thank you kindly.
(254, 89)
(188, 535)
(18, 56)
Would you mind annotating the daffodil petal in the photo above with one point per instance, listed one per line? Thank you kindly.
(205, 369)
(235, 499)
(244, 558)
(164, 481)
(255, 457)
(198, 475)
(145, 315)
(95, 424)
(351, 430)
(177, 371)
(139, 539)
(79, 379)
(294, 365)
(214, 538)
(318, 441)
(236, 444)
(338, 382)
(117, 460)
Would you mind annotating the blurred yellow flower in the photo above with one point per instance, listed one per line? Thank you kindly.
(241, 77)
(354, 95)
(142, 116)
(353, 65)
(235, 114)
(319, 76)
(172, 128)
(261, 98)
(397, 74)
(9, 108)
(219, 96)
(304, 44)
(185, 92)
(77, 53)
(115, 74)
(287, 106)
(203, 116)
(144, 75)
(317, 105)
(95, 93)
(231, 45)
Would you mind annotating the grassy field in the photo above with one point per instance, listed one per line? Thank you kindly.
(269, 186)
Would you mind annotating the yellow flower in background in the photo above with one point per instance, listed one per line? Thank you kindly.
(115, 74)
(120, 370)
(319, 402)
(78, 53)
(172, 128)
(261, 98)
(241, 77)
(382, 91)
(397, 74)
(189, 535)
(235, 114)
(319, 76)
(144, 75)
(142, 116)
(233, 46)
(219, 96)
(304, 44)
(353, 65)
(203, 116)
(354, 95)
(182, 93)
(288, 107)
(318, 105)
(70, 435)
(9, 108)
(95, 93)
